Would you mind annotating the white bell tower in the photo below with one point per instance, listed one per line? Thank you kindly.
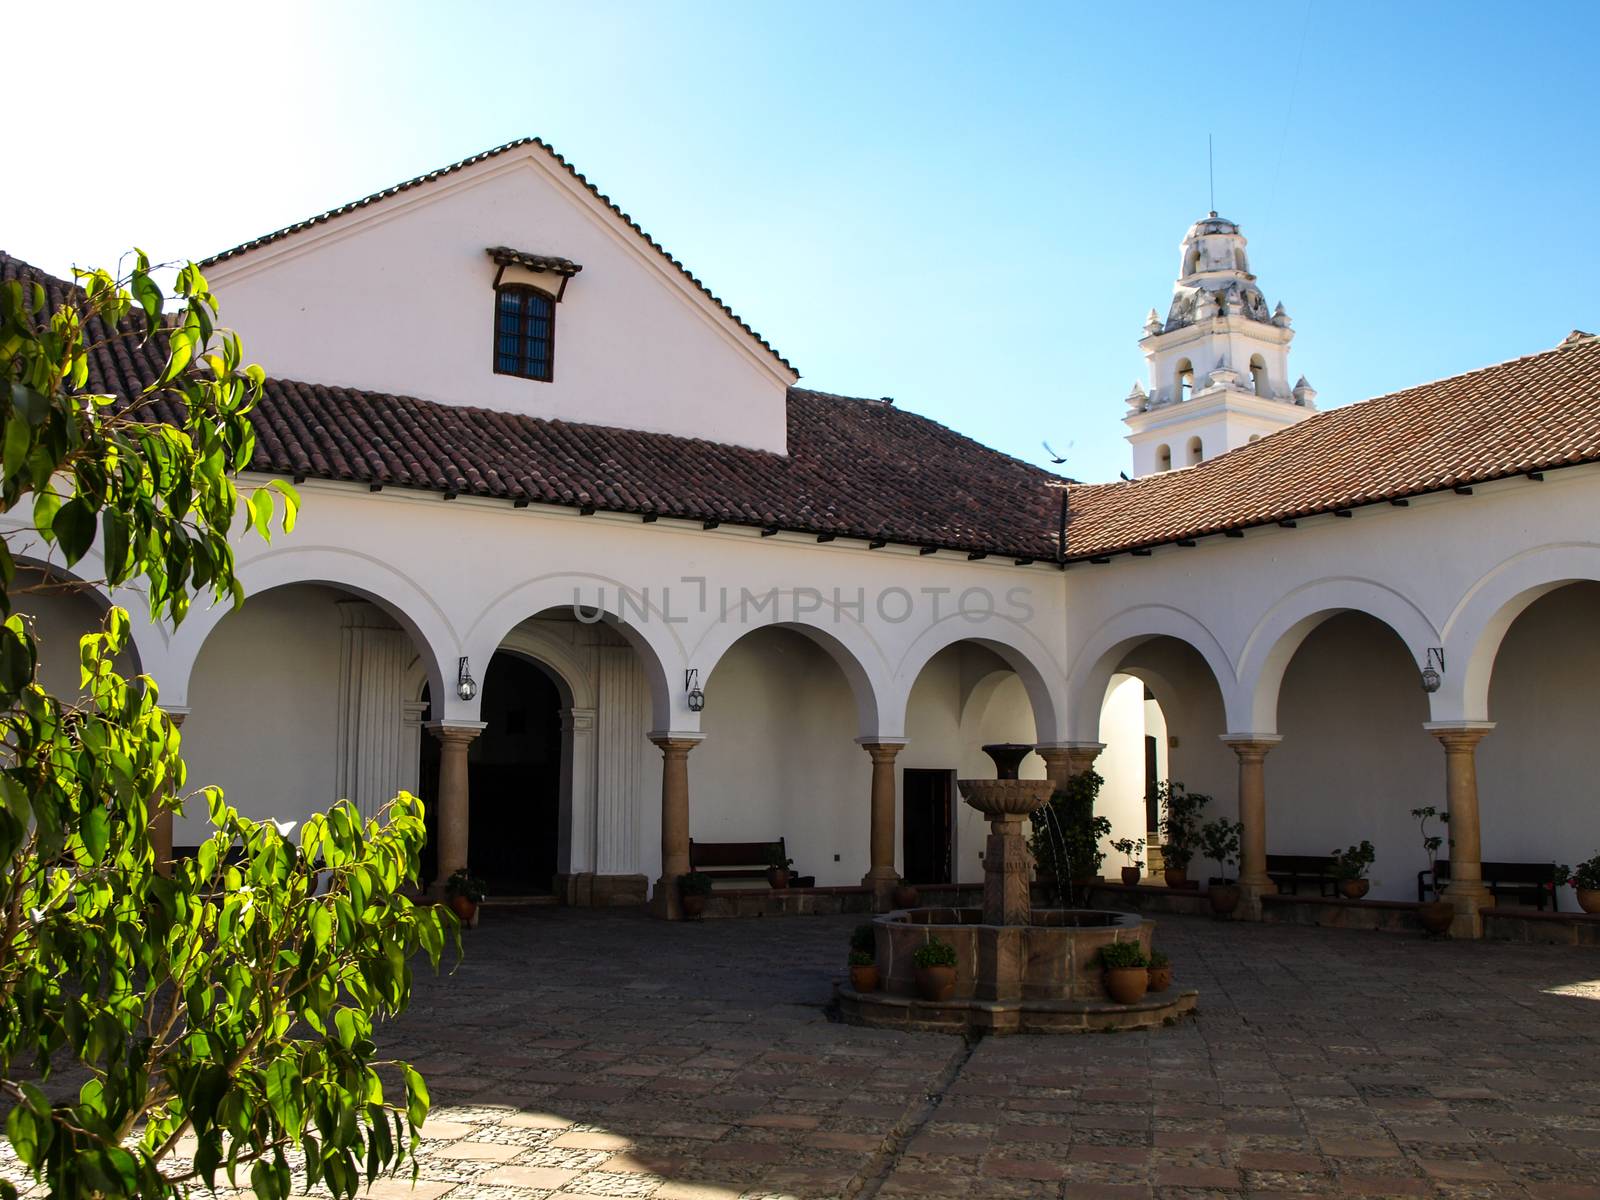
(1219, 363)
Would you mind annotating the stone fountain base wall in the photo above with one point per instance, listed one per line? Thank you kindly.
(1051, 958)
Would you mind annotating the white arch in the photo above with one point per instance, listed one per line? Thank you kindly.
(845, 642)
(431, 631)
(570, 675)
(633, 613)
(1022, 651)
(150, 640)
(1275, 638)
(1102, 652)
(1479, 622)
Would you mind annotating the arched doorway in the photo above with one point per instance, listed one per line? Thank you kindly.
(513, 780)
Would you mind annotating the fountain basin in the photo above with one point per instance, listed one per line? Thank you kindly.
(1055, 956)
(1043, 976)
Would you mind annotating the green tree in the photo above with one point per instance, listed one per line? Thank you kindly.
(224, 1005)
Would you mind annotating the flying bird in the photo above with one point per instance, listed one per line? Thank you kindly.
(1058, 459)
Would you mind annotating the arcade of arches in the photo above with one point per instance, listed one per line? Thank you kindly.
(562, 788)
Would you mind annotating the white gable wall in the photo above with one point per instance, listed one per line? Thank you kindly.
(399, 298)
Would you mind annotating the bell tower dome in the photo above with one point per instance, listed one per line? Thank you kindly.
(1219, 362)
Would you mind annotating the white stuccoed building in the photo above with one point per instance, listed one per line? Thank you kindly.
(582, 564)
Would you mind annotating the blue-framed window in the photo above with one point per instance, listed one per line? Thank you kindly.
(524, 332)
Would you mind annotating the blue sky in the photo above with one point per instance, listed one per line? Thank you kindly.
(969, 208)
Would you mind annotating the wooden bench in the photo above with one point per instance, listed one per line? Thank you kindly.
(1289, 871)
(741, 860)
(1526, 881)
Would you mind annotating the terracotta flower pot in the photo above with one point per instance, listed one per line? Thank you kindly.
(693, 906)
(1160, 978)
(778, 877)
(864, 979)
(465, 909)
(1354, 889)
(1130, 876)
(905, 896)
(1436, 915)
(1176, 877)
(1127, 985)
(1589, 899)
(936, 983)
(1224, 898)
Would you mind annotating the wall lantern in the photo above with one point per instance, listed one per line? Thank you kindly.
(691, 686)
(1430, 676)
(466, 685)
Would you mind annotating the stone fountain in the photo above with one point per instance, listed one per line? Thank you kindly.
(1018, 968)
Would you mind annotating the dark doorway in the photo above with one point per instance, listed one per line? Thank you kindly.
(1152, 813)
(513, 780)
(927, 800)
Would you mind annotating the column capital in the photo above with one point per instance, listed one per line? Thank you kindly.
(176, 713)
(1096, 747)
(883, 748)
(579, 720)
(1457, 735)
(456, 731)
(1250, 745)
(676, 743)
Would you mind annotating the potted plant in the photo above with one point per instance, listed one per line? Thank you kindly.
(1127, 971)
(863, 959)
(778, 867)
(1130, 848)
(1160, 971)
(1180, 830)
(936, 969)
(1585, 880)
(905, 895)
(693, 889)
(1350, 867)
(1067, 833)
(465, 892)
(1436, 914)
(1220, 840)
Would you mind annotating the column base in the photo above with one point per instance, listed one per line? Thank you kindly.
(882, 885)
(1469, 904)
(664, 901)
(1250, 893)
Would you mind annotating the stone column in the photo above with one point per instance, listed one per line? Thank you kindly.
(881, 875)
(1057, 764)
(454, 738)
(161, 819)
(674, 821)
(1081, 756)
(1253, 879)
(1466, 892)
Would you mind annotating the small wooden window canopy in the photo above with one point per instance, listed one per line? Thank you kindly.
(539, 264)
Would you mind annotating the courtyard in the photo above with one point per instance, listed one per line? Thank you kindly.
(594, 1053)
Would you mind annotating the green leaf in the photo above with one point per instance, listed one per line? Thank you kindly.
(74, 529)
(417, 1102)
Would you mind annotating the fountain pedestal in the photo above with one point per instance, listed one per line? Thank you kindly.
(1007, 871)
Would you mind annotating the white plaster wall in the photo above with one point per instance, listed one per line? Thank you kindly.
(1123, 726)
(409, 288)
(1355, 759)
(1537, 795)
(264, 709)
(780, 760)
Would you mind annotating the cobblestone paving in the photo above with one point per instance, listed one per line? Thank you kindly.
(601, 1054)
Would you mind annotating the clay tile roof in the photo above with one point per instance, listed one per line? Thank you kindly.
(855, 468)
(505, 256)
(1529, 414)
(472, 160)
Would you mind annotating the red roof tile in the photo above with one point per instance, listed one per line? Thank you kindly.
(1529, 414)
(855, 468)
